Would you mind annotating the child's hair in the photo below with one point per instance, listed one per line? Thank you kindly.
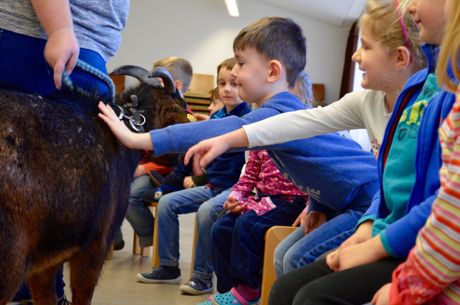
(450, 51)
(392, 25)
(276, 38)
(228, 63)
(214, 94)
(305, 86)
(179, 68)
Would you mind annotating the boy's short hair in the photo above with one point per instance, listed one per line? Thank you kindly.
(276, 38)
(228, 63)
(179, 68)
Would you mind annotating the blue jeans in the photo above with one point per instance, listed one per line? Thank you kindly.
(298, 249)
(207, 203)
(138, 213)
(23, 67)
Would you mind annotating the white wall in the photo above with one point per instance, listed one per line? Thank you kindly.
(202, 32)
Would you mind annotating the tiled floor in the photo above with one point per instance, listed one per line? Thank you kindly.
(118, 285)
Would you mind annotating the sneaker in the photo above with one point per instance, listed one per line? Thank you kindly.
(196, 287)
(161, 275)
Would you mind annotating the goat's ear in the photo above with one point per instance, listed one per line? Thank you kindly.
(137, 72)
(168, 81)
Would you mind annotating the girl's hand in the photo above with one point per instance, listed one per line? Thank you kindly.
(362, 234)
(61, 53)
(357, 255)
(382, 296)
(125, 136)
(233, 205)
(204, 152)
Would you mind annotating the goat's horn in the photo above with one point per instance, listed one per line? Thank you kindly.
(137, 72)
(168, 81)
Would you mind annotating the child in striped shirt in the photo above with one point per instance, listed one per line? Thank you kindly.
(431, 273)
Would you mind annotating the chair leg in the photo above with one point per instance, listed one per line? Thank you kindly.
(195, 239)
(272, 238)
(137, 249)
(155, 254)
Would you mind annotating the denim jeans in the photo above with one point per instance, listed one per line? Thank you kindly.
(298, 249)
(23, 66)
(207, 203)
(138, 213)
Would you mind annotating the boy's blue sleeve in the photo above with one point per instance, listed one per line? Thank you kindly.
(371, 213)
(399, 237)
(180, 137)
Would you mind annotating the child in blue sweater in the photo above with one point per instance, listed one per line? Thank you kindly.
(206, 200)
(338, 175)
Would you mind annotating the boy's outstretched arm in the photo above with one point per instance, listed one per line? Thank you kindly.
(125, 136)
(205, 151)
(61, 49)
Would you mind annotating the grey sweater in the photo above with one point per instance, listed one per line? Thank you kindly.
(98, 24)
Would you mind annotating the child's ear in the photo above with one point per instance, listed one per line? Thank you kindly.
(275, 70)
(403, 57)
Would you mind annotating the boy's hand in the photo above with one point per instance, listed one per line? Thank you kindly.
(312, 220)
(61, 52)
(125, 136)
(188, 182)
(204, 152)
(382, 296)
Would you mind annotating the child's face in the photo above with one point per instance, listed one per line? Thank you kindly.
(430, 19)
(228, 89)
(375, 60)
(251, 72)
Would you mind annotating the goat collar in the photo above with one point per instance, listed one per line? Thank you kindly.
(131, 115)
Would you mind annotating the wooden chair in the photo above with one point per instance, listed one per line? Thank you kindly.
(272, 238)
(137, 249)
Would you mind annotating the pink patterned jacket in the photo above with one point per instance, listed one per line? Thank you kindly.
(262, 174)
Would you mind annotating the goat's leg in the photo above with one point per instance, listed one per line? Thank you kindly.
(42, 285)
(85, 268)
(13, 264)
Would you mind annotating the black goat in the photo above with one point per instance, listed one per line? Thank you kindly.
(64, 185)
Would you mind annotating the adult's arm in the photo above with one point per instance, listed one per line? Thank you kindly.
(61, 50)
